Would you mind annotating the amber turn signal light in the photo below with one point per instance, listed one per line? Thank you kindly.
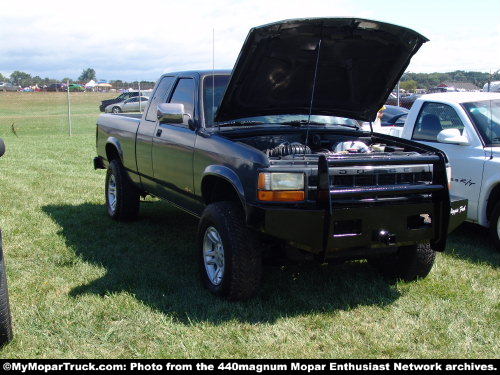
(281, 196)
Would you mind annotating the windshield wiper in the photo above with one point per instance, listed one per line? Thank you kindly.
(240, 123)
(301, 122)
(349, 126)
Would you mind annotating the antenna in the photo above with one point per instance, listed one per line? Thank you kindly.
(313, 90)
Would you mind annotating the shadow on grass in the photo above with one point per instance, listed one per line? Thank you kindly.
(155, 260)
(472, 243)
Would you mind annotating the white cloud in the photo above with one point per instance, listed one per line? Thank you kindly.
(134, 40)
(140, 40)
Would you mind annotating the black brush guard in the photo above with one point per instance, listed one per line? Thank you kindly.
(382, 225)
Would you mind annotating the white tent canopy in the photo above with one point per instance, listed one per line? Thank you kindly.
(90, 83)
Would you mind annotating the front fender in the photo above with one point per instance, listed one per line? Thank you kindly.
(229, 175)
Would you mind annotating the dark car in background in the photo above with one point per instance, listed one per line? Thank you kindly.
(121, 98)
(404, 101)
(56, 87)
(394, 116)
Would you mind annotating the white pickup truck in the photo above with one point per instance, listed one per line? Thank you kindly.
(466, 126)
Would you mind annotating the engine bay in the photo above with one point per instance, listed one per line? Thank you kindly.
(285, 146)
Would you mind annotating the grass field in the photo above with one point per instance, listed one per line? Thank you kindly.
(83, 286)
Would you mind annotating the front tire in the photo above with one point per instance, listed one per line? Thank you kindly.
(6, 334)
(116, 110)
(409, 263)
(230, 256)
(122, 197)
(495, 226)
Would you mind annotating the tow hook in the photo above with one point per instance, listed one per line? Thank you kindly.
(385, 237)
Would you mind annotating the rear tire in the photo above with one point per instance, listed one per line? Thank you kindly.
(495, 226)
(409, 263)
(122, 197)
(6, 334)
(229, 253)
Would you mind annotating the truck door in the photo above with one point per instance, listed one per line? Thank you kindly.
(144, 140)
(173, 147)
(467, 161)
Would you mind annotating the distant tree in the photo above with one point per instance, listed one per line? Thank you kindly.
(410, 85)
(87, 75)
(67, 80)
(18, 78)
(37, 80)
(117, 84)
(3, 78)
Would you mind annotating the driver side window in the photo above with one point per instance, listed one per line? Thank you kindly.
(432, 119)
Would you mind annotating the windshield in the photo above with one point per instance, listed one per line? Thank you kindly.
(486, 116)
(211, 103)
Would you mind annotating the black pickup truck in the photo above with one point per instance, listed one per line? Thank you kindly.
(271, 153)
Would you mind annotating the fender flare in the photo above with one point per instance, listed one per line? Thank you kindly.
(228, 175)
(116, 143)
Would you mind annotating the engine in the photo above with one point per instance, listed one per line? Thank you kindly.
(292, 145)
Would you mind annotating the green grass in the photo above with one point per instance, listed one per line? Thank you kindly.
(84, 286)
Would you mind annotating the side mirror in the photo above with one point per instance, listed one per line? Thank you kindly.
(172, 113)
(452, 136)
(2, 147)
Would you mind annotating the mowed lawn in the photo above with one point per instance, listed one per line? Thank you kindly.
(84, 286)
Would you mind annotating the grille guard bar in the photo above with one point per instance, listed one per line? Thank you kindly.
(438, 190)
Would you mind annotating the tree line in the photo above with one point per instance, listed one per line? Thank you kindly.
(23, 79)
(412, 81)
(409, 81)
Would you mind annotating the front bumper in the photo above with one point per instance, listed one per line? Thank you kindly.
(360, 231)
(352, 227)
(400, 215)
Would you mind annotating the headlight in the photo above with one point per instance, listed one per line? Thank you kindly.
(448, 174)
(281, 187)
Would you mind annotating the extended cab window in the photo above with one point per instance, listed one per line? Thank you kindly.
(160, 96)
(433, 118)
(184, 94)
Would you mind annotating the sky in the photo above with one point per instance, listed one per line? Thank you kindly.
(140, 40)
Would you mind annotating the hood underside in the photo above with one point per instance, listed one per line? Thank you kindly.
(343, 67)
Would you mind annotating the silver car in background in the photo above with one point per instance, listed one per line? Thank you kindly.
(6, 86)
(135, 104)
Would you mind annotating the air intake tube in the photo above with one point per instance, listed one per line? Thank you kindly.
(285, 149)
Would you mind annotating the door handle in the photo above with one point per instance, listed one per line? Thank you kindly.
(158, 132)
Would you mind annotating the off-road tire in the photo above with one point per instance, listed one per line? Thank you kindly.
(5, 316)
(409, 263)
(494, 226)
(127, 195)
(242, 253)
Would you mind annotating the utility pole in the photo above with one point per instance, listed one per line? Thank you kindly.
(398, 93)
(69, 108)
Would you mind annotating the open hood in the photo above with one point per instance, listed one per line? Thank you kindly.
(343, 67)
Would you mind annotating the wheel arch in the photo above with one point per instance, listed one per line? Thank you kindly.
(221, 183)
(113, 149)
(493, 198)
